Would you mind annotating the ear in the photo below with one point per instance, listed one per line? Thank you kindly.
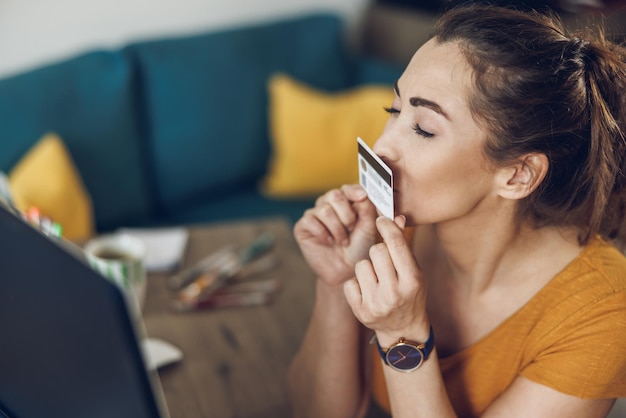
(522, 178)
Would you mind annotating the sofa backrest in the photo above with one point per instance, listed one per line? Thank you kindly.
(89, 101)
(205, 99)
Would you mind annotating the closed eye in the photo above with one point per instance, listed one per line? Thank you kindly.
(416, 127)
(391, 110)
(422, 132)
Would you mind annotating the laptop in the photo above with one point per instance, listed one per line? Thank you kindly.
(68, 345)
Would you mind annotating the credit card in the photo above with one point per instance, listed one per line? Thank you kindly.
(376, 178)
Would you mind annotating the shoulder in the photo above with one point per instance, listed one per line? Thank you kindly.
(597, 273)
(587, 295)
(582, 323)
(607, 262)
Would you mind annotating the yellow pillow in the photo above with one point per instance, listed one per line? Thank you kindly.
(313, 135)
(46, 178)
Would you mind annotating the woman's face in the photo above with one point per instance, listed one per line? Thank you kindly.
(432, 143)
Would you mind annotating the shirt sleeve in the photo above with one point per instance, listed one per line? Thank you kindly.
(585, 355)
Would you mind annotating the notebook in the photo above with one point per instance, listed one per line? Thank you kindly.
(68, 345)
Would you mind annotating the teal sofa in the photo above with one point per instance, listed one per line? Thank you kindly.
(175, 130)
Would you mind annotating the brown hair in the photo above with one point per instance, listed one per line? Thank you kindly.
(540, 90)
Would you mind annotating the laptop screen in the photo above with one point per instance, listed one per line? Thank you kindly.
(68, 347)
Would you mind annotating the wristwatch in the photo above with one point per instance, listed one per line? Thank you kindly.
(406, 356)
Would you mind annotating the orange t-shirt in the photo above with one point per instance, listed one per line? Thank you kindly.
(571, 336)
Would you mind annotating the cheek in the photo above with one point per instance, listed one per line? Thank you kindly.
(436, 190)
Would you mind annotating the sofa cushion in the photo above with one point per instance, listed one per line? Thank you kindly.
(46, 178)
(314, 135)
(88, 101)
(205, 98)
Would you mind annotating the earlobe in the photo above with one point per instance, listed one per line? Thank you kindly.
(525, 176)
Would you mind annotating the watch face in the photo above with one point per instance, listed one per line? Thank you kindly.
(404, 357)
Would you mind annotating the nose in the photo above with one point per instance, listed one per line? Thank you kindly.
(384, 146)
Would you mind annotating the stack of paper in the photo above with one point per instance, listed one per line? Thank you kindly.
(165, 247)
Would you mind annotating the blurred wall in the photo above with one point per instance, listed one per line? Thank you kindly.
(36, 32)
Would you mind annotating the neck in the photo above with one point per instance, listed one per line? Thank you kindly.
(479, 255)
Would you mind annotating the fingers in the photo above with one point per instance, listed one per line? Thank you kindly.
(386, 259)
(348, 202)
(334, 215)
(354, 192)
(372, 295)
(310, 226)
(375, 285)
(352, 291)
(388, 284)
(364, 208)
(400, 220)
(337, 213)
(397, 248)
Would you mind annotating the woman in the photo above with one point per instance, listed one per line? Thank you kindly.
(506, 143)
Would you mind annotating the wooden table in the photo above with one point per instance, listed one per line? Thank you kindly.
(235, 360)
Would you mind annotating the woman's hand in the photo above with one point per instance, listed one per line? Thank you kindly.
(337, 232)
(388, 293)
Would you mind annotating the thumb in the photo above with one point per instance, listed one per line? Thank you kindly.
(400, 220)
(354, 192)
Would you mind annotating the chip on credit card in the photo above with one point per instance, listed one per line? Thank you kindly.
(376, 178)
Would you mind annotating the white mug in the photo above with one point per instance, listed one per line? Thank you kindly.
(120, 258)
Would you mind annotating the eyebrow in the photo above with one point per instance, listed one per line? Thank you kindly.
(419, 101)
